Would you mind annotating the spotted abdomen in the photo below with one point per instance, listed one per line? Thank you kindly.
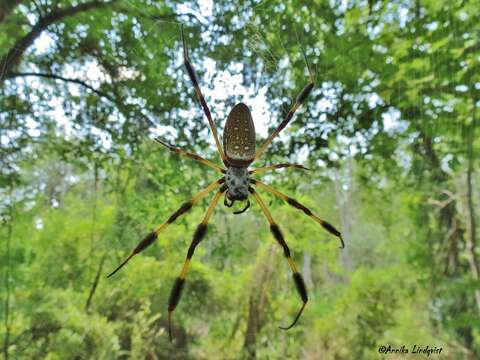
(239, 136)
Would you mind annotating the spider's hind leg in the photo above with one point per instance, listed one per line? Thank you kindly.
(198, 236)
(292, 202)
(151, 237)
(297, 277)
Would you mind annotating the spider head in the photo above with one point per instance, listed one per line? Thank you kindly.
(237, 195)
(237, 180)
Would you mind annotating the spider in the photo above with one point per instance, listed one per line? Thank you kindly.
(236, 184)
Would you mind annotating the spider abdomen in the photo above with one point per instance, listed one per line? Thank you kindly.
(237, 180)
(239, 136)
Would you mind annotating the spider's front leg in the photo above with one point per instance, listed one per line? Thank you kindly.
(197, 238)
(297, 277)
(198, 92)
(299, 100)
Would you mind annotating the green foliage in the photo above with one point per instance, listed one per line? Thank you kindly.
(391, 134)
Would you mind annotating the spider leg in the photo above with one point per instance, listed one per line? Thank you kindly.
(198, 92)
(197, 238)
(301, 97)
(191, 155)
(244, 209)
(292, 202)
(151, 237)
(277, 233)
(277, 166)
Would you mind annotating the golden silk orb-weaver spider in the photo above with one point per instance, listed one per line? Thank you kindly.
(237, 153)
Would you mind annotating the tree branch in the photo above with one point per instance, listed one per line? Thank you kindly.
(14, 55)
(58, 77)
(116, 100)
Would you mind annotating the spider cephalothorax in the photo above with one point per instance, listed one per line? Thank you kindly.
(238, 181)
(237, 154)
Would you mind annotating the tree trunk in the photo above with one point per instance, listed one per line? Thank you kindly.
(7, 315)
(307, 270)
(345, 203)
(95, 283)
(7, 7)
(256, 304)
(471, 239)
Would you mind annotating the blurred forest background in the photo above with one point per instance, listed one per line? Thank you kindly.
(390, 134)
